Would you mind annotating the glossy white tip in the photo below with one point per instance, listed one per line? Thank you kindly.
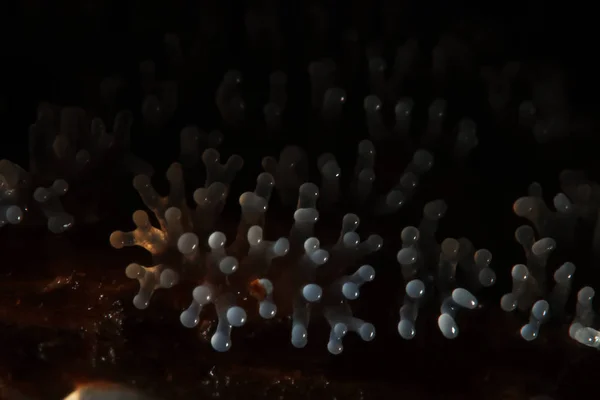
(312, 292)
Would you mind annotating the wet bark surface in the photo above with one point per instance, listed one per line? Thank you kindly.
(66, 318)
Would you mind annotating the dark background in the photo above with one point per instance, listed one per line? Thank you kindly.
(48, 48)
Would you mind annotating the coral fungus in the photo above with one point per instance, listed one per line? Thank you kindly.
(294, 276)
(66, 148)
